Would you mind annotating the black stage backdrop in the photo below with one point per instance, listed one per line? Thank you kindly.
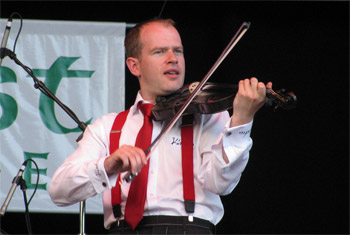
(297, 180)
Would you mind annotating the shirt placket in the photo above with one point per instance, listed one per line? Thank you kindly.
(153, 171)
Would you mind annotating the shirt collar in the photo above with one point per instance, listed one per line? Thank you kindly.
(134, 110)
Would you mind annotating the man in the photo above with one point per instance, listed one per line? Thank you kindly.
(173, 202)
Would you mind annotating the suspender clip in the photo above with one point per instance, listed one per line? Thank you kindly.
(118, 222)
(190, 218)
(116, 131)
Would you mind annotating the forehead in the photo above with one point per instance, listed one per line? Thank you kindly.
(160, 34)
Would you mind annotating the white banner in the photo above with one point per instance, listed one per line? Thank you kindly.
(82, 63)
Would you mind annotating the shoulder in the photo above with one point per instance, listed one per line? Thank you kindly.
(107, 118)
(103, 123)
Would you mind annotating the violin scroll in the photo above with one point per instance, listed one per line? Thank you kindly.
(281, 98)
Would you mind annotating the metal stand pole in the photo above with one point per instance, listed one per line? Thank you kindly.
(82, 211)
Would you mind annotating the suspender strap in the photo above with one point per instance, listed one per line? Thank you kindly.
(187, 162)
(113, 146)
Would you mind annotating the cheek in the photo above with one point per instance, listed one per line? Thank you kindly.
(146, 70)
(150, 67)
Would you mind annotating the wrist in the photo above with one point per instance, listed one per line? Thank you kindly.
(238, 121)
(111, 167)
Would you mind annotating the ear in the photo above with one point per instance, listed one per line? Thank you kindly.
(133, 65)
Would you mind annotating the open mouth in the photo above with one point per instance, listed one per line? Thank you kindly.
(171, 72)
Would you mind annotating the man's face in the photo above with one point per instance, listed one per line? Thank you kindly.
(161, 66)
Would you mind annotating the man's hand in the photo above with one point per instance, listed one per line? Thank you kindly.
(126, 158)
(249, 99)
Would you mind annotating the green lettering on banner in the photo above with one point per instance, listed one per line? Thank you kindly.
(53, 77)
(8, 103)
(29, 171)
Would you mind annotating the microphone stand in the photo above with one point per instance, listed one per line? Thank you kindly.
(18, 180)
(24, 188)
(41, 86)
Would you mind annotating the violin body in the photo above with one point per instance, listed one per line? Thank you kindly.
(213, 98)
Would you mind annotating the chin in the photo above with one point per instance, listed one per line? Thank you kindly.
(172, 86)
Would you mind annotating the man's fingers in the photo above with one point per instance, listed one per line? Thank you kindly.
(136, 158)
(269, 85)
(130, 158)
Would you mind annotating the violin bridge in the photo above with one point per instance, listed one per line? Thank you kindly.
(193, 86)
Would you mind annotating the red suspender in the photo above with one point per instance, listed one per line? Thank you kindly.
(187, 161)
(113, 146)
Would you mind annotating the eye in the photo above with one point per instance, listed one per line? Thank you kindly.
(178, 51)
(159, 52)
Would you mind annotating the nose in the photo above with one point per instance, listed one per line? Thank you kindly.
(172, 57)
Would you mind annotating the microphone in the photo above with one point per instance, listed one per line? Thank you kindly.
(15, 183)
(6, 36)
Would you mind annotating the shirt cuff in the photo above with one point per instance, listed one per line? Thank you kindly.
(98, 176)
(237, 137)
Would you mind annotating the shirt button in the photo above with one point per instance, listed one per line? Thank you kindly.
(228, 133)
(104, 184)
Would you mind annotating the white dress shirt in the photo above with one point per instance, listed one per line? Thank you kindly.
(82, 174)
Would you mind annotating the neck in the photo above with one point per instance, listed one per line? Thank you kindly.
(151, 99)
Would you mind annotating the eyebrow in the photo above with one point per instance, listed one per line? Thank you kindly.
(167, 48)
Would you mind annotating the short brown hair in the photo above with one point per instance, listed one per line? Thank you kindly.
(132, 42)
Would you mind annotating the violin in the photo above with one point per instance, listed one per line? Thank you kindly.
(213, 98)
